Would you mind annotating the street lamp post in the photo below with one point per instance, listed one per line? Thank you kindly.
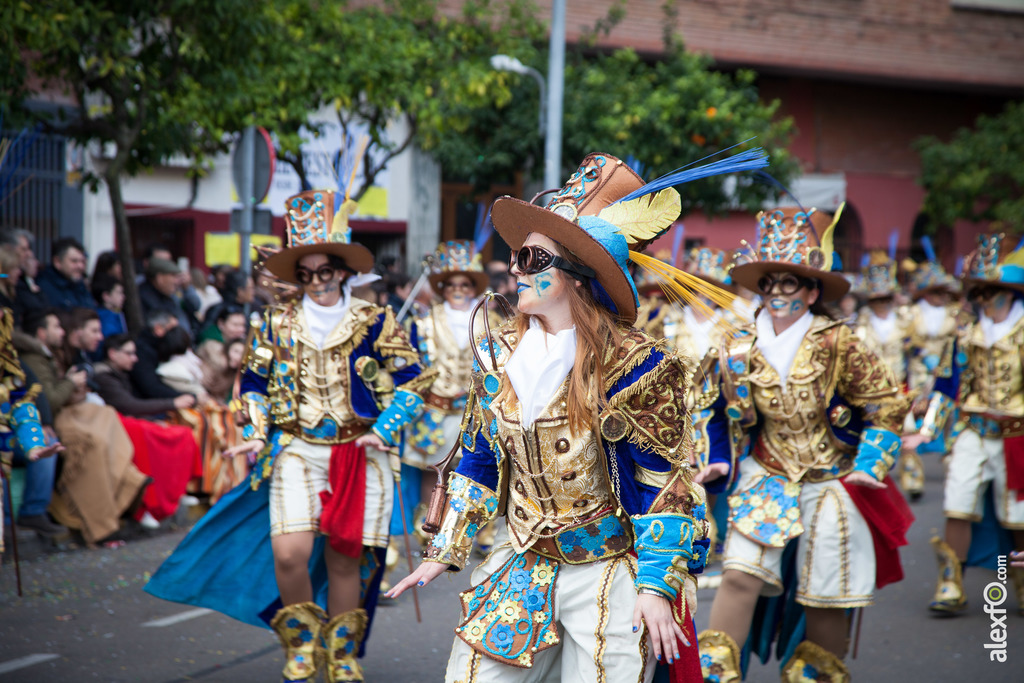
(513, 65)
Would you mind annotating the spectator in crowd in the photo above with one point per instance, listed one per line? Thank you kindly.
(399, 287)
(160, 291)
(168, 453)
(238, 292)
(98, 482)
(63, 280)
(109, 294)
(152, 251)
(207, 293)
(108, 264)
(40, 474)
(146, 381)
(221, 369)
(82, 338)
(211, 422)
(10, 273)
(502, 281)
(114, 384)
(230, 323)
(27, 294)
(218, 275)
(180, 368)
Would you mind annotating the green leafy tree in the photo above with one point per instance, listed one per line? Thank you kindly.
(978, 174)
(145, 79)
(664, 113)
(400, 59)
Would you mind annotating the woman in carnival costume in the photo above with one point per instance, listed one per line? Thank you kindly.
(984, 374)
(328, 384)
(935, 321)
(886, 329)
(577, 430)
(442, 336)
(813, 419)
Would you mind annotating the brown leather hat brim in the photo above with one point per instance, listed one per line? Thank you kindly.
(833, 285)
(282, 264)
(970, 282)
(515, 219)
(481, 280)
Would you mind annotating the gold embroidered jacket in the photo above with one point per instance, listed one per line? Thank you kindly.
(551, 484)
(366, 376)
(839, 402)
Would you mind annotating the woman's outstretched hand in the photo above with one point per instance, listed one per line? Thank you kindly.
(665, 633)
(424, 574)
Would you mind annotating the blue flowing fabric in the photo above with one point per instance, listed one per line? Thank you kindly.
(226, 564)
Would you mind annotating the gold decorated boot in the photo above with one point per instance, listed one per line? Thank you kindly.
(949, 592)
(342, 637)
(719, 657)
(912, 476)
(811, 662)
(298, 628)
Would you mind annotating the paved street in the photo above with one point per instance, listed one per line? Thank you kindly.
(85, 617)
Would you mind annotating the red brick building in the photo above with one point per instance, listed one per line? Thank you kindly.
(862, 80)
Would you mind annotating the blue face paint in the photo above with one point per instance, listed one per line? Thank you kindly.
(777, 304)
(796, 307)
(521, 287)
(542, 281)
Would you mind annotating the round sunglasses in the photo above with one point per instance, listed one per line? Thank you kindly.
(305, 276)
(786, 284)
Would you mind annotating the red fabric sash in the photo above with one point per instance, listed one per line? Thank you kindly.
(1013, 452)
(889, 517)
(343, 505)
(169, 455)
(686, 669)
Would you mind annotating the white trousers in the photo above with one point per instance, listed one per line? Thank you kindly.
(593, 608)
(973, 463)
(301, 473)
(835, 556)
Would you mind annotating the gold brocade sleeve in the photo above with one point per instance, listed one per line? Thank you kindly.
(865, 382)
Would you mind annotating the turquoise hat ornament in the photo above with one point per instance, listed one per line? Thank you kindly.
(997, 262)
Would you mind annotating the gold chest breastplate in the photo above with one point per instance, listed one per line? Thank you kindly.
(322, 383)
(997, 379)
(454, 365)
(795, 436)
(555, 479)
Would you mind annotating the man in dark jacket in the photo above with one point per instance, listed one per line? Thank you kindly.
(145, 379)
(27, 294)
(63, 281)
(160, 292)
(114, 384)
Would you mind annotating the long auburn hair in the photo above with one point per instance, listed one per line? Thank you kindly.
(598, 335)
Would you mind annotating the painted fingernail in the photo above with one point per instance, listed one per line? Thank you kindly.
(634, 629)
(659, 658)
(669, 660)
(420, 583)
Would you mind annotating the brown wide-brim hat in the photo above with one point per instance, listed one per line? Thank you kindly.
(607, 179)
(971, 283)
(480, 279)
(833, 285)
(356, 257)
